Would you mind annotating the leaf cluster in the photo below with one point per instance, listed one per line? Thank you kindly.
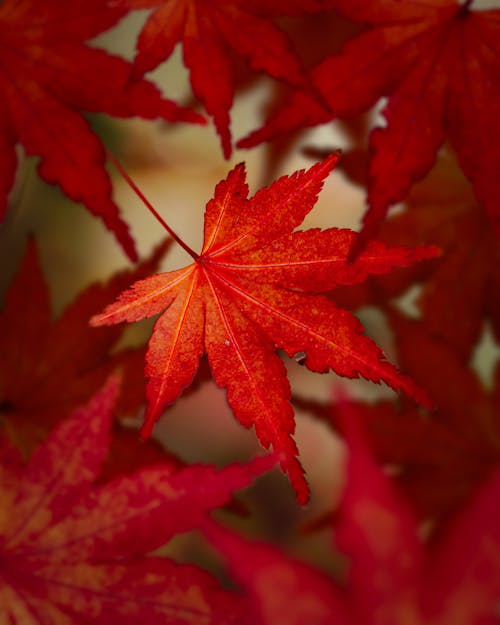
(89, 504)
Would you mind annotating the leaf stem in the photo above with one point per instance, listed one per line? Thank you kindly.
(148, 205)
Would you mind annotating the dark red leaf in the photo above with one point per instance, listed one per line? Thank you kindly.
(48, 76)
(213, 35)
(50, 366)
(437, 63)
(70, 552)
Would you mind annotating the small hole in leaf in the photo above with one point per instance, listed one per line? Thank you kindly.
(300, 358)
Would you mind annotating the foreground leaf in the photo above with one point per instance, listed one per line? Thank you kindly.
(70, 552)
(50, 366)
(252, 290)
(47, 76)
(437, 63)
(392, 576)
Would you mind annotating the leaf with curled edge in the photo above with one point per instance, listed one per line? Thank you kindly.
(70, 551)
(48, 76)
(50, 365)
(437, 65)
(252, 290)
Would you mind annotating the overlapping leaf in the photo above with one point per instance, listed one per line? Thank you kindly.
(442, 457)
(437, 63)
(214, 34)
(254, 289)
(392, 576)
(48, 75)
(48, 367)
(466, 277)
(73, 553)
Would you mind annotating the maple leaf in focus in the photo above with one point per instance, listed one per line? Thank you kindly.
(437, 63)
(74, 553)
(252, 290)
(392, 576)
(466, 277)
(214, 33)
(51, 366)
(47, 76)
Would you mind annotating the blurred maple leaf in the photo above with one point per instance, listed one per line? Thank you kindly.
(393, 577)
(212, 34)
(254, 289)
(314, 37)
(73, 553)
(49, 367)
(445, 455)
(437, 63)
(441, 457)
(48, 75)
(442, 211)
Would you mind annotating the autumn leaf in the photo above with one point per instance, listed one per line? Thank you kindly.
(282, 590)
(50, 366)
(392, 576)
(314, 37)
(383, 541)
(444, 456)
(213, 35)
(442, 211)
(441, 457)
(437, 63)
(252, 290)
(71, 552)
(48, 75)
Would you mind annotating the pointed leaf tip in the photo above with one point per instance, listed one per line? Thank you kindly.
(329, 163)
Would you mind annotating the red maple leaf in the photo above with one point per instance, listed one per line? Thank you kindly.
(213, 33)
(50, 366)
(393, 577)
(253, 289)
(442, 211)
(441, 456)
(74, 553)
(437, 63)
(47, 76)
